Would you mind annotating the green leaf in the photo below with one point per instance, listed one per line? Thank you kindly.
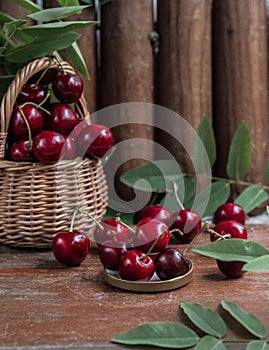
(29, 5)
(6, 18)
(260, 264)
(251, 197)
(206, 134)
(239, 158)
(57, 13)
(219, 193)
(9, 28)
(210, 343)
(204, 318)
(266, 172)
(257, 345)
(55, 28)
(77, 59)
(37, 48)
(246, 319)
(169, 335)
(232, 249)
(65, 3)
(5, 81)
(157, 176)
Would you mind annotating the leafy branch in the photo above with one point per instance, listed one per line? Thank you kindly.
(175, 335)
(161, 174)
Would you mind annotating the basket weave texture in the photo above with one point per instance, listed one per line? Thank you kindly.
(37, 200)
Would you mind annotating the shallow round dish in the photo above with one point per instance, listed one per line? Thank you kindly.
(154, 285)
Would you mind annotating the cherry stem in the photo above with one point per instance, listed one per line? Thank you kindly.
(44, 72)
(212, 232)
(175, 190)
(93, 219)
(73, 220)
(27, 126)
(153, 245)
(178, 231)
(203, 229)
(118, 219)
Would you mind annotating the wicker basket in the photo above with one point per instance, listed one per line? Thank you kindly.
(38, 200)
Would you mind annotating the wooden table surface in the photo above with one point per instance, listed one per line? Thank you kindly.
(46, 306)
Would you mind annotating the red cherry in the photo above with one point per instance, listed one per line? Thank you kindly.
(231, 269)
(32, 93)
(188, 221)
(47, 146)
(95, 140)
(47, 77)
(110, 254)
(136, 266)
(69, 148)
(155, 212)
(34, 117)
(62, 119)
(77, 129)
(67, 88)
(147, 232)
(20, 151)
(170, 263)
(70, 248)
(234, 228)
(229, 211)
(112, 230)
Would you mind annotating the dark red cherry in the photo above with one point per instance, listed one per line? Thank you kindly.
(188, 221)
(136, 266)
(47, 146)
(229, 211)
(95, 140)
(112, 230)
(231, 269)
(147, 232)
(110, 254)
(69, 148)
(32, 93)
(67, 88)
(229, 227)
(153, 211)
(34, 117)
(62, 119)
(47, 76)
(171, 263)
(21, 151)
(70, 248)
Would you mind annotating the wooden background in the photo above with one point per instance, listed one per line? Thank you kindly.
(210, 58)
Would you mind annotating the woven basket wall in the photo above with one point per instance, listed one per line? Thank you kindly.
(38, 200)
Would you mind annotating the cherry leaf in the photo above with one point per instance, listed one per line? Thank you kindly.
(204, 318)
(57, 13)
(257, 345)
(246, 319)
(168, 335)
(209, 342)
(232, 249)
(260, 264)
(251, 197)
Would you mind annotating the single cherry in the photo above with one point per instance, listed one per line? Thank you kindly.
(69, 148)
(147, 232)
(62, 118)
(33, 115)
(95, 140)
(67, 88)
(231, 269)
(171, 263)
(32, 93)
(188, 222)
(155, 212)
(229, 211)
(21, 151)
(44, 77)
(112, 230)
(47, 146)
(136, 266)
(229, 227)
(110, 254)
(70, 248)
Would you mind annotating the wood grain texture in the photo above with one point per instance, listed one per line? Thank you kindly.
(184, 65)
(46, 306)
(240, 78)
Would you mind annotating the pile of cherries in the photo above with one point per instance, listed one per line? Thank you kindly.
(137, 253)
(45, 131)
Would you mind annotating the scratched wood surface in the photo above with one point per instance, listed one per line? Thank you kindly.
(46, 306)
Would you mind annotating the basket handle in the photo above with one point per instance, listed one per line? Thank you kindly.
(22, 76)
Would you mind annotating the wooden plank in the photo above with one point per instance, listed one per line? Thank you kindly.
(240, 83)
(44, 305)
